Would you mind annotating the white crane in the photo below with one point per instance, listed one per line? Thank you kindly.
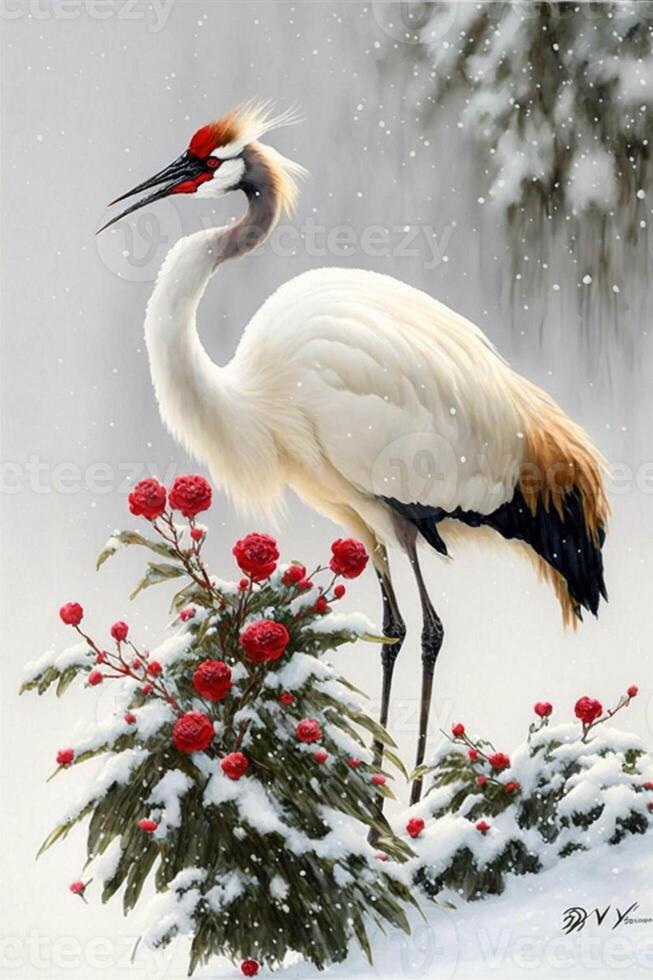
(383, 409)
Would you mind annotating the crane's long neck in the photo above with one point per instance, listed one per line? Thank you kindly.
(202, 404)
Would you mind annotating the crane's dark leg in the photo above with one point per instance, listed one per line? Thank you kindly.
(393, 626)
(432, 636)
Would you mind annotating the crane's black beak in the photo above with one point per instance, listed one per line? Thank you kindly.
(184, 168)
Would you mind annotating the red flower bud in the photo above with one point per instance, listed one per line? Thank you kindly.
(249, 968)
(308, 731)
(243, 585)
(349, 558)
(286, 698)
(415, 826)
(212, 680)
(632, 691)
(378, 779)
(305, 585)
(481, 780)
(119, 631)
(148, 499)
(543, 709)
(499, 761)
(71, 614)
(147, 688)
(588, 710)
(483, 826)
(154, 668)
(321, 604)
(95, 678)
(472, 755)
(190, 495)
(382, 857)
(293, 575)
(353, 763)
(77, 887)
(339, 591)
(197, 533)
(130, 718)
(187, 613)
(511, 787)
(235, 765)
(149, 826)
(257, 555)
(65, 757)
(648, 785)
(321, 756)
(458, 730)
(102, 657)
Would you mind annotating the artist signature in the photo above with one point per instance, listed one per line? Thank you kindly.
(574, 918)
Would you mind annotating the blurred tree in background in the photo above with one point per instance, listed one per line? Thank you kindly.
(559, 99)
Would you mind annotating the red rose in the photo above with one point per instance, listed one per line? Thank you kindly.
(257, 555)
(543, 709)
(235, 765)
(293, 575)
(193, 732)
(481, 780)
(65, 757)
(472, 755)
(249, 968)
(483, 826)
(349, 558)
(339, 591)
(119, 631)
(130, 719)
(286, 698)
(212, 680)
(77, 887)
(95, 678)
(71, 614)
(149, 826)
(499, 761)
(190, 495)
(154, 668)
(632, 691)
(264, 640)
(148, 499)
(458, 730)
(187, 613)
(378, 779)
(588, 710)
(321, 756)
(308, 731)
(415, 826)
(511, 787)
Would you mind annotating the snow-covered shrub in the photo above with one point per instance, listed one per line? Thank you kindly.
(567, 788)
(235, 768)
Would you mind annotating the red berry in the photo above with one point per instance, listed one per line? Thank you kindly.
(543, 709)
(286, 698)
(353, 763)
(458, 730)
(648, 785)
(257, 555)
(102, 657)
(249, 968)
(321, 604)
(197, 533)
(65, 757)
(119, 631)
(308, 731)
(481, 780)
(378, 779)
(348, 558)
(212, 680)
(95, 678)
(339, 591)
(147, 688)
(632, 691)
(190, 495)
(77, 887)
(136, 663)
(130, 718)
(499, 761)
(472, 755)
(187, 613)
(511, 787)
(483, 826)
(243, 585)
(148, 499)
(415, 826)
(293, 575)
(149, 826)
(381, 857)
(71, 614)
(193, 732)
(588, 710)
(264, 640)
(154, 668)
(321, 756)
(235, 765)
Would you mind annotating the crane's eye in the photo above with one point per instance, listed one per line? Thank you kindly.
(213, 163)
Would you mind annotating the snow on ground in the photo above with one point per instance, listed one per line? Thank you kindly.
(520, 934)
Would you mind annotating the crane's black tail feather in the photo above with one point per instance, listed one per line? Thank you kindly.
(561, 539)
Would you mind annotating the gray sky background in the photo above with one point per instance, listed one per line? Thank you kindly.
(92, 106)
